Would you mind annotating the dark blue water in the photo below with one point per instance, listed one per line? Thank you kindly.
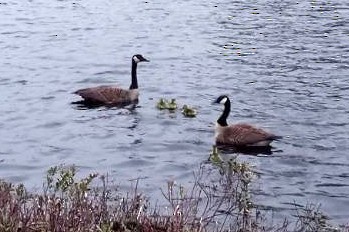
(283, 63)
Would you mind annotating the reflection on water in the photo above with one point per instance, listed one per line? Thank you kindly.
(85, 105)
(255, 151)
(284, 64)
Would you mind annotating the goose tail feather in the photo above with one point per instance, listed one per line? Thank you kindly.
(276, 137)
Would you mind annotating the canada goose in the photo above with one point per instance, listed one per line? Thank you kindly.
(114, 95)
(239, 135)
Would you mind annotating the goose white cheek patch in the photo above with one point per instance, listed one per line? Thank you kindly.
(136, 59)
(223, 101)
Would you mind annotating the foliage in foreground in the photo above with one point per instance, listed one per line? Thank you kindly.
(219, 200)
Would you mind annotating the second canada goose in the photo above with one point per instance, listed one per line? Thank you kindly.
(239, 135)
(114, 95)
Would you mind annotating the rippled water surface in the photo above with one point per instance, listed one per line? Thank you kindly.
(284, 64)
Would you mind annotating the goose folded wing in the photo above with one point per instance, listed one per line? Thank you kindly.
(244, 135)
(105, 94)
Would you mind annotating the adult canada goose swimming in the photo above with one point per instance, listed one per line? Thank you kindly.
(114, 95)
(239, 135)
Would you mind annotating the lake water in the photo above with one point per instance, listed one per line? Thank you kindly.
(284, 64)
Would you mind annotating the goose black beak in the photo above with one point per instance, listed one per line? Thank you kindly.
(145, 60)
(215, 102)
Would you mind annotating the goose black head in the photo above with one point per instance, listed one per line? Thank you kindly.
(139, 58)
(222, 99)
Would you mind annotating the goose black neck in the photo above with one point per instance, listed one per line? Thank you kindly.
(222, 120)
(134, 83)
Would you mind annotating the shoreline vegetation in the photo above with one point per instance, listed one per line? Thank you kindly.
(219, 199)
